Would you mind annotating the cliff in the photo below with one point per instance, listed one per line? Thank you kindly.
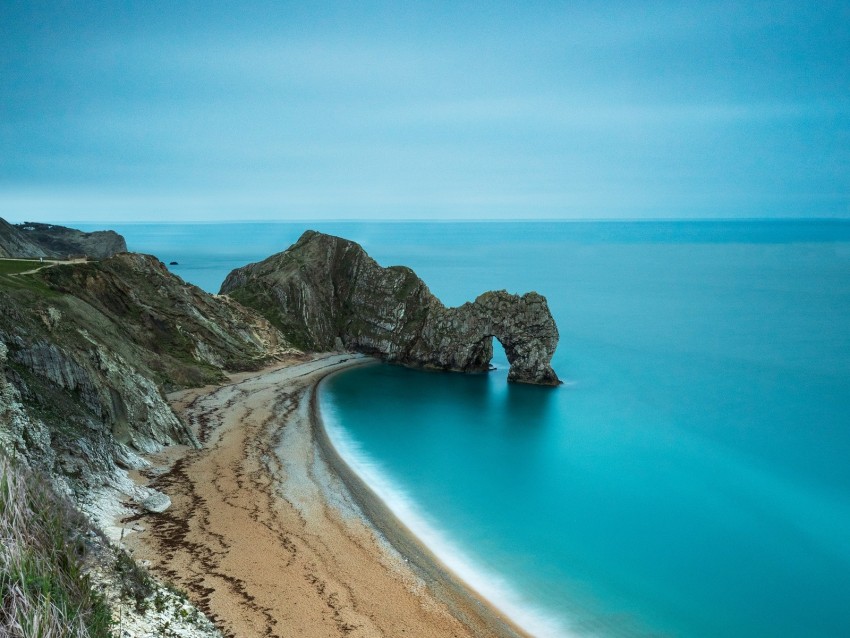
(46, 240)
(87, 351)
(325, 291)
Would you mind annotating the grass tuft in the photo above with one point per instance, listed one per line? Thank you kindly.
(43, 590)
(136, 584)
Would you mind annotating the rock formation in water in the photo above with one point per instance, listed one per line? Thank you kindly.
(325, 292)
(36, 240)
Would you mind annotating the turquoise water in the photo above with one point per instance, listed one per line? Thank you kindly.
(691, 478)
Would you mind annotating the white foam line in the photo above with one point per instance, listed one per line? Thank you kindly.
(489, 585)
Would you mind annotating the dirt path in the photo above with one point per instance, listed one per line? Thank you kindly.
(44, 263)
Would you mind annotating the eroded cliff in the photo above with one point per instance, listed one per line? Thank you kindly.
(325, 292)
(87, 351)
(32, 239)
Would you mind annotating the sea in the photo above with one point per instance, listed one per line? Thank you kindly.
(691, 477)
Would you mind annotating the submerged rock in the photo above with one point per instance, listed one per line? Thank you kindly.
(325, 290)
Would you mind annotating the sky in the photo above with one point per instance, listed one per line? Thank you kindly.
(167, 111)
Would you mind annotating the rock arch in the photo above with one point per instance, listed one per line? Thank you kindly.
(324, 289)
(461, 338)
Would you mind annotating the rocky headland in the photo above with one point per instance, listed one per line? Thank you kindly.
(91, 348)
(35, 240)
(325, 293)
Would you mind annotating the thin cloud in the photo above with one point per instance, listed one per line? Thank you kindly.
(614, 110)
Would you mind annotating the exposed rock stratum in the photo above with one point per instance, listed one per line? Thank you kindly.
(325, 291)
(88, 351)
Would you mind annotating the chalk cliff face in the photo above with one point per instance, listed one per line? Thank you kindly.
(47, 240)
(325, 291)
(87, 351)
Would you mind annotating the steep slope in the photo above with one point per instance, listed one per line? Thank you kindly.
(325, 292)
(88, 351)
(13, 243)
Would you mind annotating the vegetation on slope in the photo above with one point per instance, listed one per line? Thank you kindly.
(32, 239)
(43, 590)
(87, 351)
(93, 346)
(15, 266)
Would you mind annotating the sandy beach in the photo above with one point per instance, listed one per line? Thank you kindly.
(271, 533)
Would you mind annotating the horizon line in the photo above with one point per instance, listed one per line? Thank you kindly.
(473, 220)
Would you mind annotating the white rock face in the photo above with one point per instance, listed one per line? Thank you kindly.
(85, 352)
(165, 613)
(157, 503)
(87, 348)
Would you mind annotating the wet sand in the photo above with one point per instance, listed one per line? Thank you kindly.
(271, 534)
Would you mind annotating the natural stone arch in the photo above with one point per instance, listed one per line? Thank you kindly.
(325, 289)
(523, 326)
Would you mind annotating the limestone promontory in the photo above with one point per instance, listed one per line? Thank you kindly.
(325, 292)
(34, 240)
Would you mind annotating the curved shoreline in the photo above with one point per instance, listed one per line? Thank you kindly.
(468, 605)
(271, 533)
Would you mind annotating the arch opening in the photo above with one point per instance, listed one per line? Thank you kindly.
(499, 359)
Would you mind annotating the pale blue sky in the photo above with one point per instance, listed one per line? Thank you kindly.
(205, 111)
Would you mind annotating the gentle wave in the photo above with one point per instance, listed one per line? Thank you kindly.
(491, 586)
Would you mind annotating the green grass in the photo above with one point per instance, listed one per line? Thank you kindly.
(15, 266)
(136, 584)
(43, 590)
(12, 279)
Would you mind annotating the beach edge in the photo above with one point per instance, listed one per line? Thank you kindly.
(476, 612)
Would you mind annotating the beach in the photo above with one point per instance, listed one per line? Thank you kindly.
(271, 534)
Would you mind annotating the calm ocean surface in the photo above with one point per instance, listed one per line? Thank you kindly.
(691, 477)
